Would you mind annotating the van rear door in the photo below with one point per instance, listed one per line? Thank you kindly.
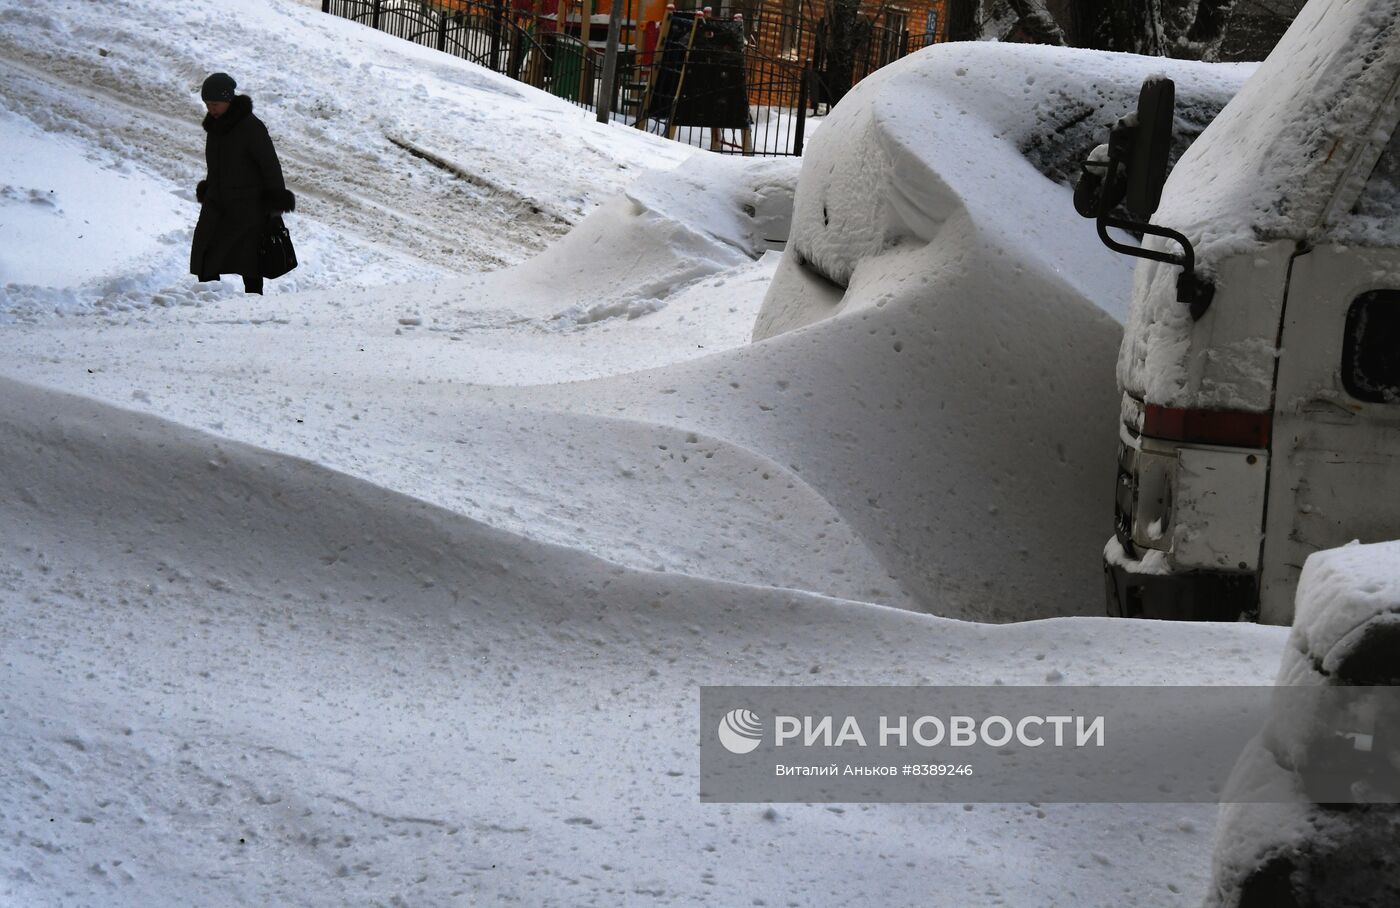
(1334, 472)
(1335, 467)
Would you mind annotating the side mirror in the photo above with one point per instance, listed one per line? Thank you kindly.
(1147, 166)
(1131, 169)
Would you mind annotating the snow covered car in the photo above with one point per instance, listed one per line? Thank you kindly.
(1311, 813)
(1260, 366)
(980, 318)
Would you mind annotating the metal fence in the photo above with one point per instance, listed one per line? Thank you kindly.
(731, 79)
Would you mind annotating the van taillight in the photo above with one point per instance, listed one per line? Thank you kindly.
(1231, 428)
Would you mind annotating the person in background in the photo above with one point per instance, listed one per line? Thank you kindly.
(242, 190)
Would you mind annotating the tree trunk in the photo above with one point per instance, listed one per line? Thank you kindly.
(1208, 31)
(1134, 28)
(964, 20)
(1037, 23)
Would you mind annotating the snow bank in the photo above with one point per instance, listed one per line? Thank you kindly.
(379, 382)
(970, 444)
(959, 415)
(662, 233)
(398, 386)
(424, 621)
(959, 322)
(948, 424)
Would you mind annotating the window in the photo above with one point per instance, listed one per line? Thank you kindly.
(892, 35)
(1381, 197)
(1371, 347)
(790, 37)
(1375, 218)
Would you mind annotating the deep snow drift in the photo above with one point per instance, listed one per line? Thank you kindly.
(954, 400)
(403, 594)
(237, 677)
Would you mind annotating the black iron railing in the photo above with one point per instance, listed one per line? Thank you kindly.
(707, 78)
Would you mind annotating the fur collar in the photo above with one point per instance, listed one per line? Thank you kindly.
(241, 106)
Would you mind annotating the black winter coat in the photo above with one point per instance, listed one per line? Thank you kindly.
(244, 185)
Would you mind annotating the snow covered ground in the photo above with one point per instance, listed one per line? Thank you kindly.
(108, 97)
(397, 585)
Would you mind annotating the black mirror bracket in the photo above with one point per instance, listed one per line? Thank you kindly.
(1196, 292)
(1191, 288)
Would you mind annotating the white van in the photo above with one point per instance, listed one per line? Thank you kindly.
(1260, 367)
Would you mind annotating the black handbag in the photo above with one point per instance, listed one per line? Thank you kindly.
(275, 255)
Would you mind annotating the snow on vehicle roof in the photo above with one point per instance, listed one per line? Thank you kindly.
(1294, 148)
(1341, 590)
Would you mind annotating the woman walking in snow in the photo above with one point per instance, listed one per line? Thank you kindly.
(244, 187)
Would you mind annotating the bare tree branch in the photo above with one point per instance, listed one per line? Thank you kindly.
(1207, 30)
